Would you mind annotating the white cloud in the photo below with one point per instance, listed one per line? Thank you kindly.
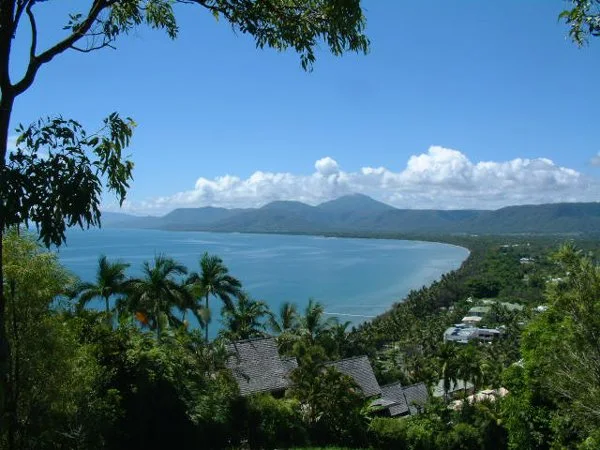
(440, 178)
(327, 166)
(595, 160)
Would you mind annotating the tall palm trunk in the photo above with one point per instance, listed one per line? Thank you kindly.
(107, 305)
(206, 324)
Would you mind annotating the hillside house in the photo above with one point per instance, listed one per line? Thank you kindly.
(257, 366)
(401, 401)
(463, 334)
(360, 370)
(456, 389)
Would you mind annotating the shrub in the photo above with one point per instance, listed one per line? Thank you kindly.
(274, 423)
(411, 433)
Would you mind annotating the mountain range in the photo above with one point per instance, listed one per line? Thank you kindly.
(359, 213)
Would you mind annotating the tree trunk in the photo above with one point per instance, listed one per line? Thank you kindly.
(6, 105)
(206, 324)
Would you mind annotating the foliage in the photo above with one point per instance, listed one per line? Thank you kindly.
(275, 423)
(561, 353)
(77, 163)
(331, 402)
(245, 319)
(110, 281)
(408, 433)
(55, 399)
(583, 20)
(213, 280)
(157, 293)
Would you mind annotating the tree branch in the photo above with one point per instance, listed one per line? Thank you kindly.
(93, 48)
(33, 47)
(36, 62)
(21, 6)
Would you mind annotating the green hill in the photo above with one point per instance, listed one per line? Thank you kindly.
(360, 214)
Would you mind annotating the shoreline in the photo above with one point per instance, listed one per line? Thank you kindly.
(441, 239)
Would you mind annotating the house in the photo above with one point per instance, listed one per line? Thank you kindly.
(479, 311)
(464, 334)
(257, 366)
(471, 320)
(360, 370)
(455, 388)
(507, 305)
(402, 401)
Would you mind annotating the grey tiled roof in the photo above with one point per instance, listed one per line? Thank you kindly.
(290, 363)
(404, 400)
(416, 397)
(257, 367)
(438, 390)
(395, 393)
(360, 370)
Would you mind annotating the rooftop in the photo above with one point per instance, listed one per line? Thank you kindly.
(360, 370)
(402, 400)
(257, 367)
(438, 390)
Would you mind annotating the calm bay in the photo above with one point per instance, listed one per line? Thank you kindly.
(355, 279)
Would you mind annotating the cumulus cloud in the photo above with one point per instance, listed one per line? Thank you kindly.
(327, 166)
(595, 160)
(440, 178)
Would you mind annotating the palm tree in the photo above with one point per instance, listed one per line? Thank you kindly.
(158, 292)
(245, 319)
(448, 369)
(312, 323)
(469, 367)
(286, 326)
(287, 321)
(110, 281)
(338, 333)
(214, 280)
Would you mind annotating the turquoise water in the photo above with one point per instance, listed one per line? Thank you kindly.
(355, 279)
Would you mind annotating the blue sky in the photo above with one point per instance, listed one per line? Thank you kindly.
(458, 104)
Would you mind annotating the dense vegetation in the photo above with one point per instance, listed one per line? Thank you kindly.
(361, 214)
(131, 372)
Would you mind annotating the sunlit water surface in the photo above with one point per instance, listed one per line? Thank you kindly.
(355, 279)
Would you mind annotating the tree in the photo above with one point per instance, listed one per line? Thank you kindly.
(214, 280)
(54, 401)
(560, 346)
(448, 367)
(158, 292)
(285, 325)
(287, 321)
(583, 20)
(245, 318)
(313, 323)
(331, 401)
(110, 280)
(60, 150)
(468, 367)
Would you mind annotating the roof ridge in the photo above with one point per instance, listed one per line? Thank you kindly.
(348, 359)
(264, 338)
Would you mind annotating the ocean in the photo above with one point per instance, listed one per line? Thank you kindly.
(356, 279)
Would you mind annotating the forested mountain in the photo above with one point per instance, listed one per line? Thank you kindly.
(360, 213)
